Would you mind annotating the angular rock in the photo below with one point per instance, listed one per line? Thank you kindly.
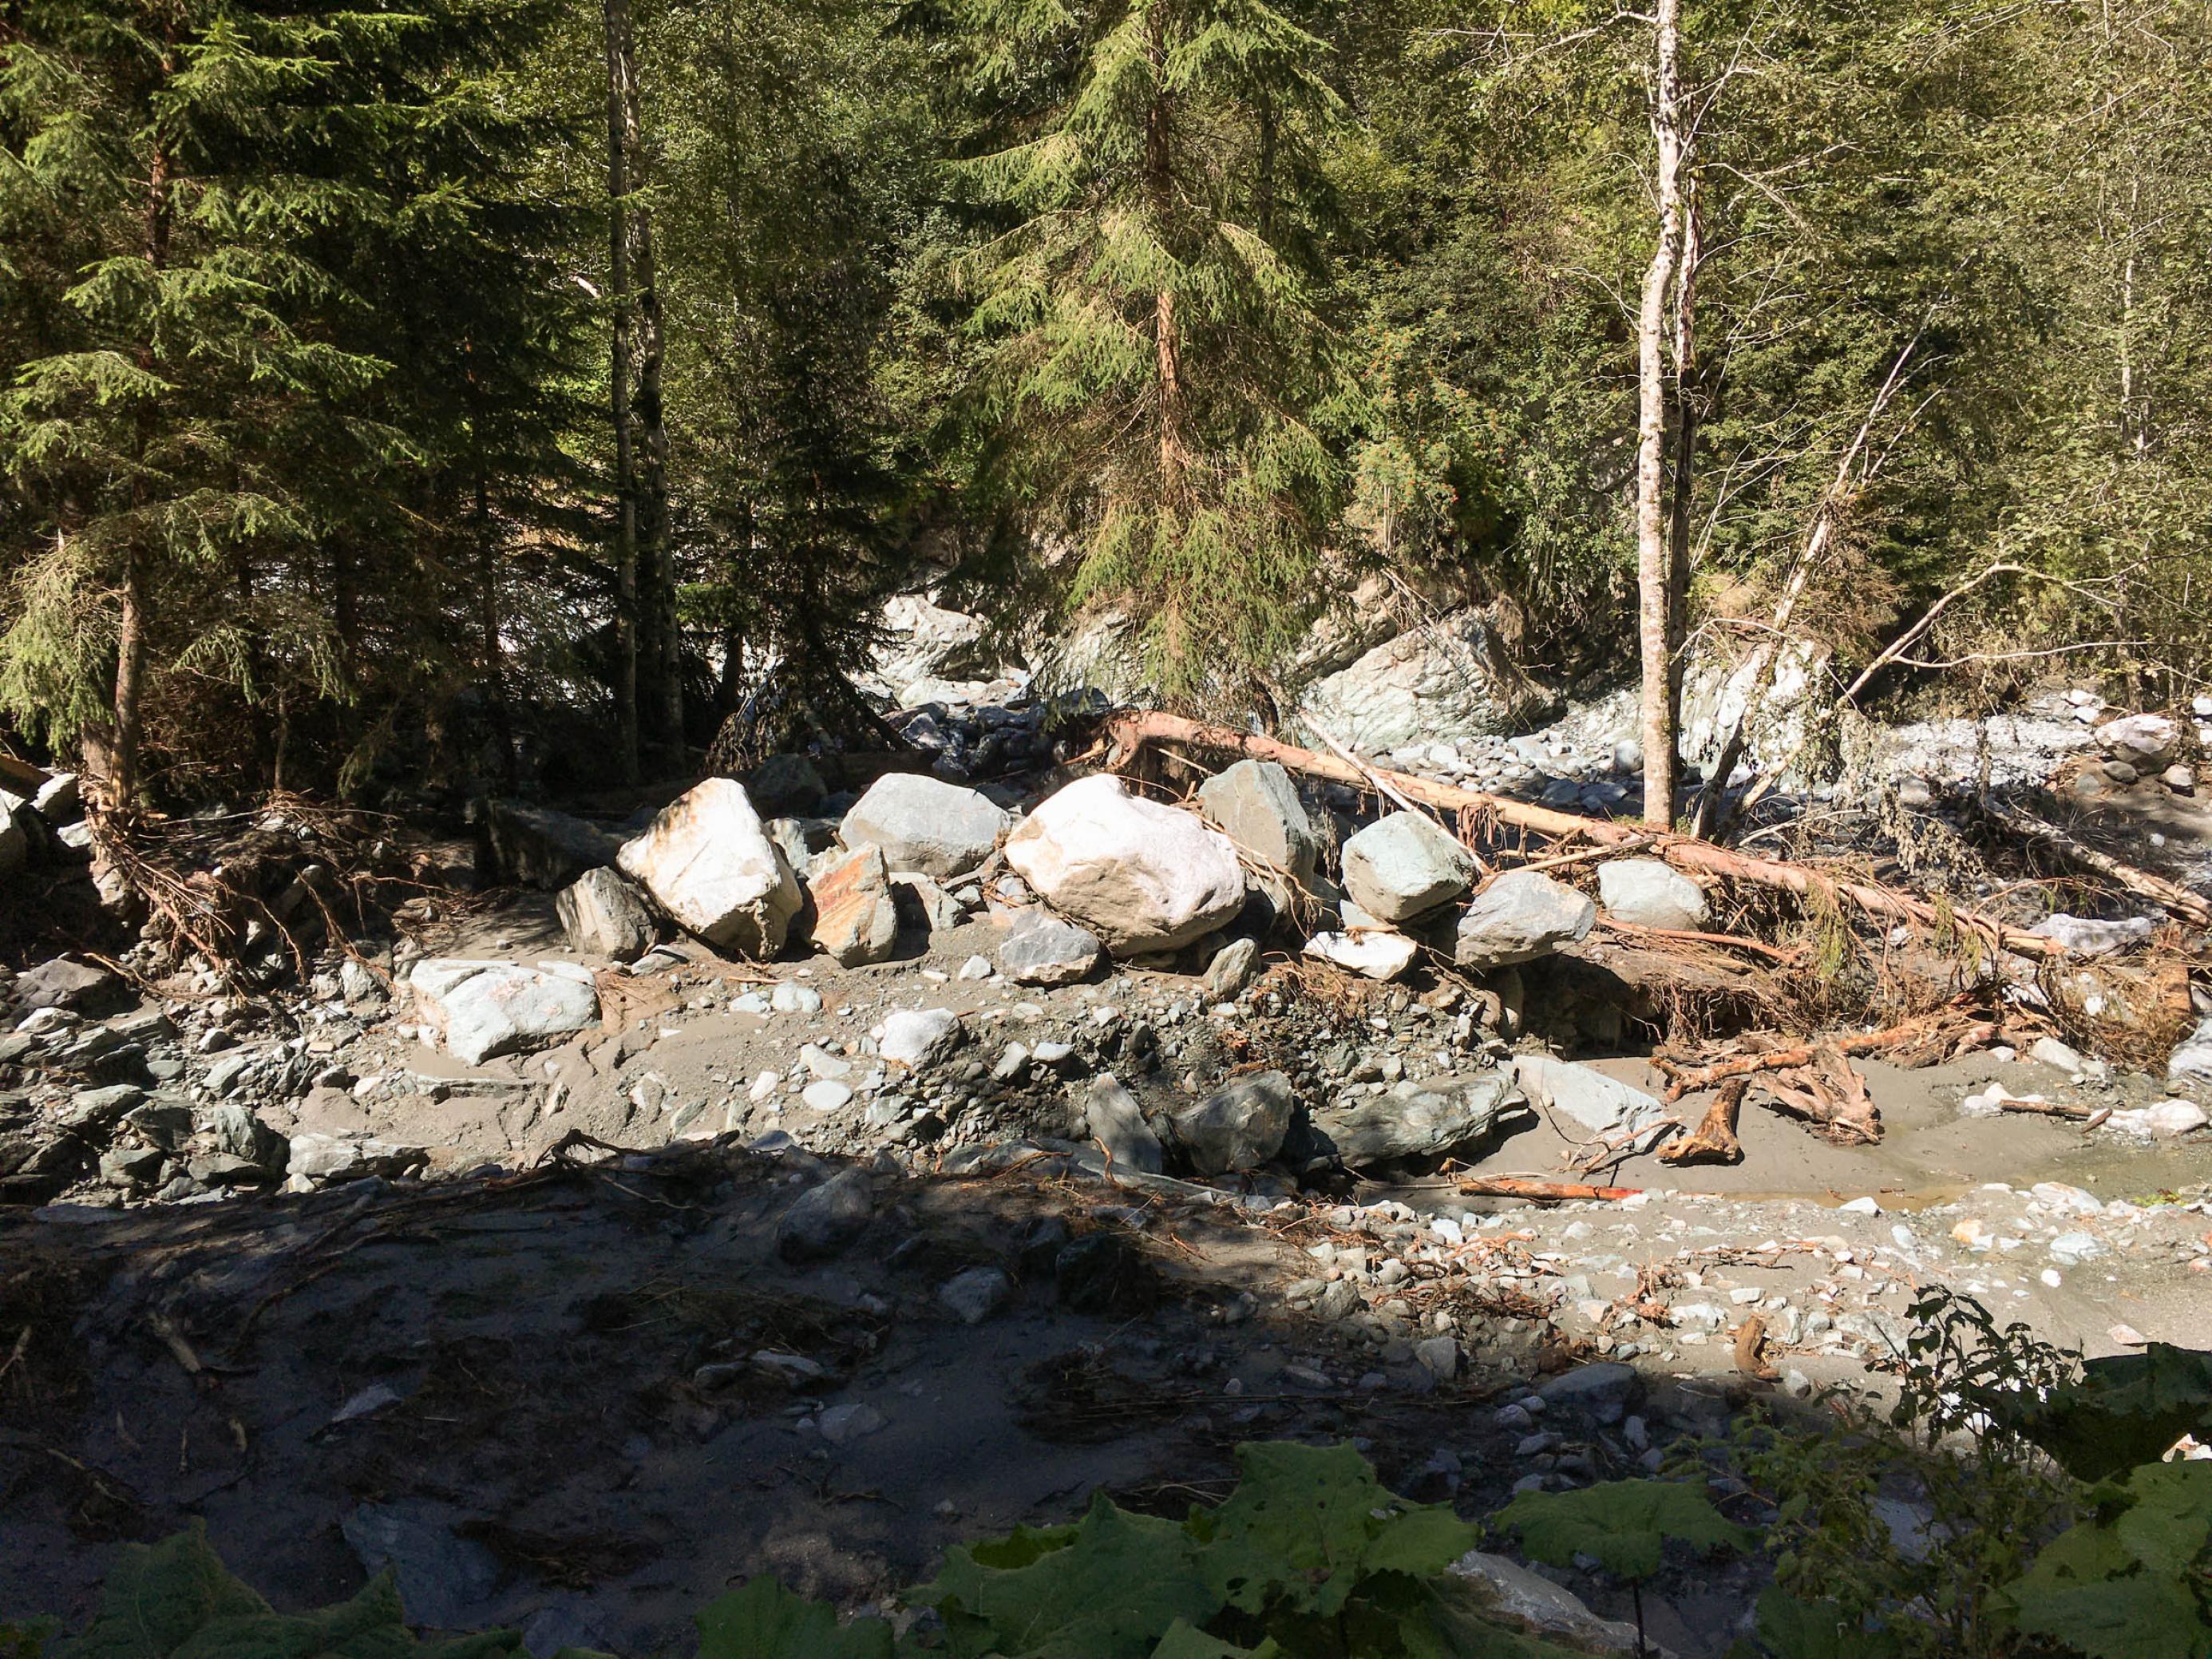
(1600, 1392)
(1424, 1119)
(1533, 1604)
(61, 983)
(1113, 1120)
(483, 1009)
(1144, 877)
(1605, 1106)
(924, 824)
(1520, 916)
(130, 1166)
(2087, 936)
(1257, 806)
(1405, 866)
(604, 914)
(1231, 970)
(235, 1130)
(1373, 953)
(1649, 893)
(919, 1038)
(1042, 950)
(14, 841)
(785, 784)
(973, 1296)
(855, 911)
(1239, 1128)
(1440, 681)
(336, 1158)
(444, 1580)
(825, 1219)
(60, 799)
(2192, 1062)
(2164, 1120)
(2148, 742)
(527, 846)
(708, 863)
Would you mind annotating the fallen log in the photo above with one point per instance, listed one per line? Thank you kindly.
(1750, 1338)
(2175, 900)
(1714, 1140)
(1126, 735)
(1542, 1192)
(2056, 1109)
(1830, 1096)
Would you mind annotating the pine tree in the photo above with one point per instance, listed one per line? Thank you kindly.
(1158, 363)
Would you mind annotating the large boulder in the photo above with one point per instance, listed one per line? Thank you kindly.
(708, 862)
(15, 839)
(1421, 1119)
(1520, 916)
(2146, 742)
(1042, 950)
(1650, 893)
(855, 911)
(924, 824)
(604, 914)
(1239, 1128)
(1142, 876)
(483, 1009)
(1405, 866)
(1257, 806)
(919, 1037)
(536, 847)
(1607, 1108)
(1439, 681)
(1370, 952)
(1113, 1120)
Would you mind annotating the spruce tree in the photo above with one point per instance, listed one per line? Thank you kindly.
(1158, 363)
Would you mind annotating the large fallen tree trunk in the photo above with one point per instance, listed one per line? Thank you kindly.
(2176, 901)
(1127, 734)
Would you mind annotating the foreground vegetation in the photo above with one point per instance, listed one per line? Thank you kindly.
(2047, 1525)
(421, 389)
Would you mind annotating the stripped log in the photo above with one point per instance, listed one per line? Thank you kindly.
(1126, 735)
(1542, 1192)
(2176, 901)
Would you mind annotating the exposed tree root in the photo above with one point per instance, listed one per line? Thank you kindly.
(1921, 1041)
(1714, 1140)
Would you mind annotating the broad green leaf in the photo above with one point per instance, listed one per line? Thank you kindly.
(2127, 1410)
(1817, 1629)
(764, 1621)
(2137, 1618)
(1621, 1524)
(1110, 1592)
(158, 1595)
(1306, 1524)
(1185, 1641)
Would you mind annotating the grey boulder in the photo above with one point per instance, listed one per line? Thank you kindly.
(1650, 893)
(924, 824)
(855, 910)
(825, 1219)
(1608, 1109)
(1042, 950)
(1239, 1128)
(604, 914)
(1113, 1120)
(1257, 806)
(1520, 916)
(1424, 1119)
(1405, 866)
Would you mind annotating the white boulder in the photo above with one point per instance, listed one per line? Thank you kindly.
(1375, 953)
(483, 1009)
(2147, 742)
(1142, 876)
(707, 861)
(916, 1038)
(604, 915)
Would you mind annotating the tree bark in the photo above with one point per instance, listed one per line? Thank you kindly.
(1159, 186)
(621, 73)
(1655, 627)
(1682, 485)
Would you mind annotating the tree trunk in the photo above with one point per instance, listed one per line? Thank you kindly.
(1682, 485)
(488, 626)
(131, 626)
(1655, 627)
(1159, 189)
(620, 51)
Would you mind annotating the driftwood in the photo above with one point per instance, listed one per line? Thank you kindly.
(1829, 1095)
(2057, 1108)
(1542, 1191)
(1750, 1338)
(1714, 1140)
(1126, 735)
(1923, 1040)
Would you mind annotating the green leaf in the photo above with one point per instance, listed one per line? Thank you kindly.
(1621, 1524)
(1306, 1524)
(1184, 1641)
(1110, 1591)
(764, 1621)
(1817, 1629)
(2126, 1582)
(2126, 1410)
(157, 1595)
